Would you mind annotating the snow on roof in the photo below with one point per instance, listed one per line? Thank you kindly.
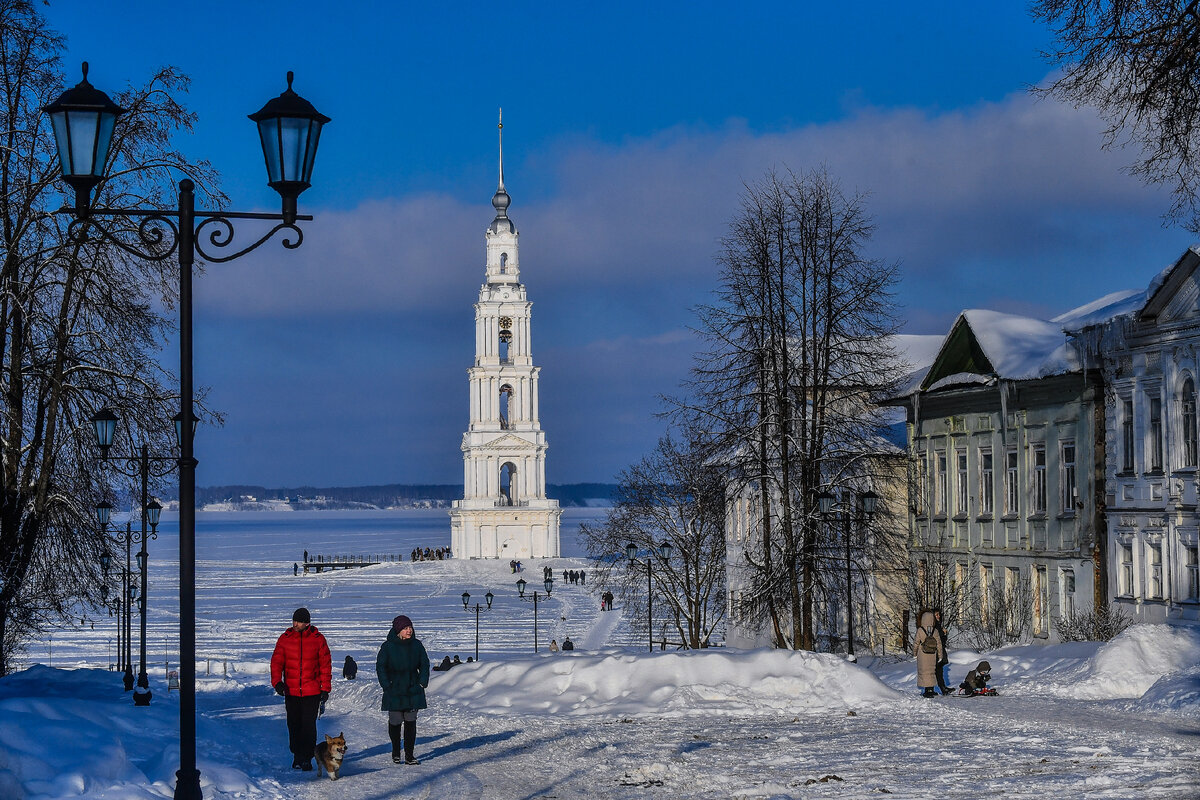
(1021, 348)
(1126, 301)
(919, 351)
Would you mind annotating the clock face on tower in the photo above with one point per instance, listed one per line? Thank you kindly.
(506, 323)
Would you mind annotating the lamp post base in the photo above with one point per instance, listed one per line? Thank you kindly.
(128, 680)
(188, 787)
(141, 697)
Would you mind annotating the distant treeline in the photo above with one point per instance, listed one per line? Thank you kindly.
(391, 495)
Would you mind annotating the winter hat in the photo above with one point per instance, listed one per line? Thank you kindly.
(301, 615)
(400, 623)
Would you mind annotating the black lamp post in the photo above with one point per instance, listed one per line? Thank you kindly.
(289, 129)
(664, 551)
(466, 598)
(104, 423)
(549, 585)
(103, 514)
(116, 607)
(863, 511)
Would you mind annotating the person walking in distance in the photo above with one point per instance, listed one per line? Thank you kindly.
(301, 671)
(403, 671)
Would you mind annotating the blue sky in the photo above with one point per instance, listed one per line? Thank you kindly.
(629, 131)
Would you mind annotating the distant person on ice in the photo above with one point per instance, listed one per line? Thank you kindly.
(301, 671)
(350, 669)
(403, 671)
(929, 650)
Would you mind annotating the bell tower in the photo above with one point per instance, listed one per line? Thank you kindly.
(504, 512)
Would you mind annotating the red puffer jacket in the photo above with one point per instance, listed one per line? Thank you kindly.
(302, 660)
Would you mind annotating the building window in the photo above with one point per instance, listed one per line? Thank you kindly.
(1154, 571)
(986, 581)
(1012, 489)
(1038, 459)
(1012, 594)
(1191, 551)
(1066, 586)
(960, 591)
(1041, 602)
(1127, 437)
(985, 482)
(1188, 414)
(1125, 576)
(960, 458)
(1067, 481)
(1156, 440)
(919, 484)
(939, 497)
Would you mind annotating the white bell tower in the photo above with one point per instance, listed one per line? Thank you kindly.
(504, 512)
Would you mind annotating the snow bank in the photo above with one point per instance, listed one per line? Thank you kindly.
(664, 684)
(1134, 661)
(1125, 668)
(62, 734)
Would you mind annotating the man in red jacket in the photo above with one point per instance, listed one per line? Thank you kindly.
(301, 672)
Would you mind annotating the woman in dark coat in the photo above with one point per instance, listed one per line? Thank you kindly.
(403, 671)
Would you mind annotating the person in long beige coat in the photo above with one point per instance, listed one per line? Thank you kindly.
(927, 662)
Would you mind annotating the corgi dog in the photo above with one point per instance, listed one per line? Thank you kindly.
(329, 755)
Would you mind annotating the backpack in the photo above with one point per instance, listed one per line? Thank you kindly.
(929, 645)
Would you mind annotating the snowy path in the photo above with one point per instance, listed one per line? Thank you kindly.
(914, 749)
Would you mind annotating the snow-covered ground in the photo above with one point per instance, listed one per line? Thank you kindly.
(607, 721)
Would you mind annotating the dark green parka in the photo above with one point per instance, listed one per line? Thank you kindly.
(403, 671)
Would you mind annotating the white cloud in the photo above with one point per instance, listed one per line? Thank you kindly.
(1010, 186)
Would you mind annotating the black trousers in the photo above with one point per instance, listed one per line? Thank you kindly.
(302, 725)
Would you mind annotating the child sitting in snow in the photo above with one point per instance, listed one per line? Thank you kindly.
(977, 679)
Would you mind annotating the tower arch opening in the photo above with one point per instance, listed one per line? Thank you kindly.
(503, 263)
(506, 393)
(508, 484)
(505, 344)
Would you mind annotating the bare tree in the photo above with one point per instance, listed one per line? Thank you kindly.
(798, 346)
(671, 495)
(1138, 63)
(80, 327)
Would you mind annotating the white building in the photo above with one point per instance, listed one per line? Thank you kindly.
(504, 512)
(1147, 344)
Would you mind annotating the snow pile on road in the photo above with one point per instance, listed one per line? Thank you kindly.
(664, 684)
(1133, 662)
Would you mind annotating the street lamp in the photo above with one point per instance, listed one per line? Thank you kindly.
(116, 606)
(124, 626)
(104, 423)
(466, 598)
(289, 130)
(549, 585)
(863, 512)
(664, 551)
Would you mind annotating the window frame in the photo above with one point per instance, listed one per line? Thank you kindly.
(1037, 479)
(1012, 482)
(1127, 438)
(1156, 435)
(987, 487)
(1187, 418)
(1068, 473)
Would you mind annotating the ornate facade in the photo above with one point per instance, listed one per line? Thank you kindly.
(1147, 347)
